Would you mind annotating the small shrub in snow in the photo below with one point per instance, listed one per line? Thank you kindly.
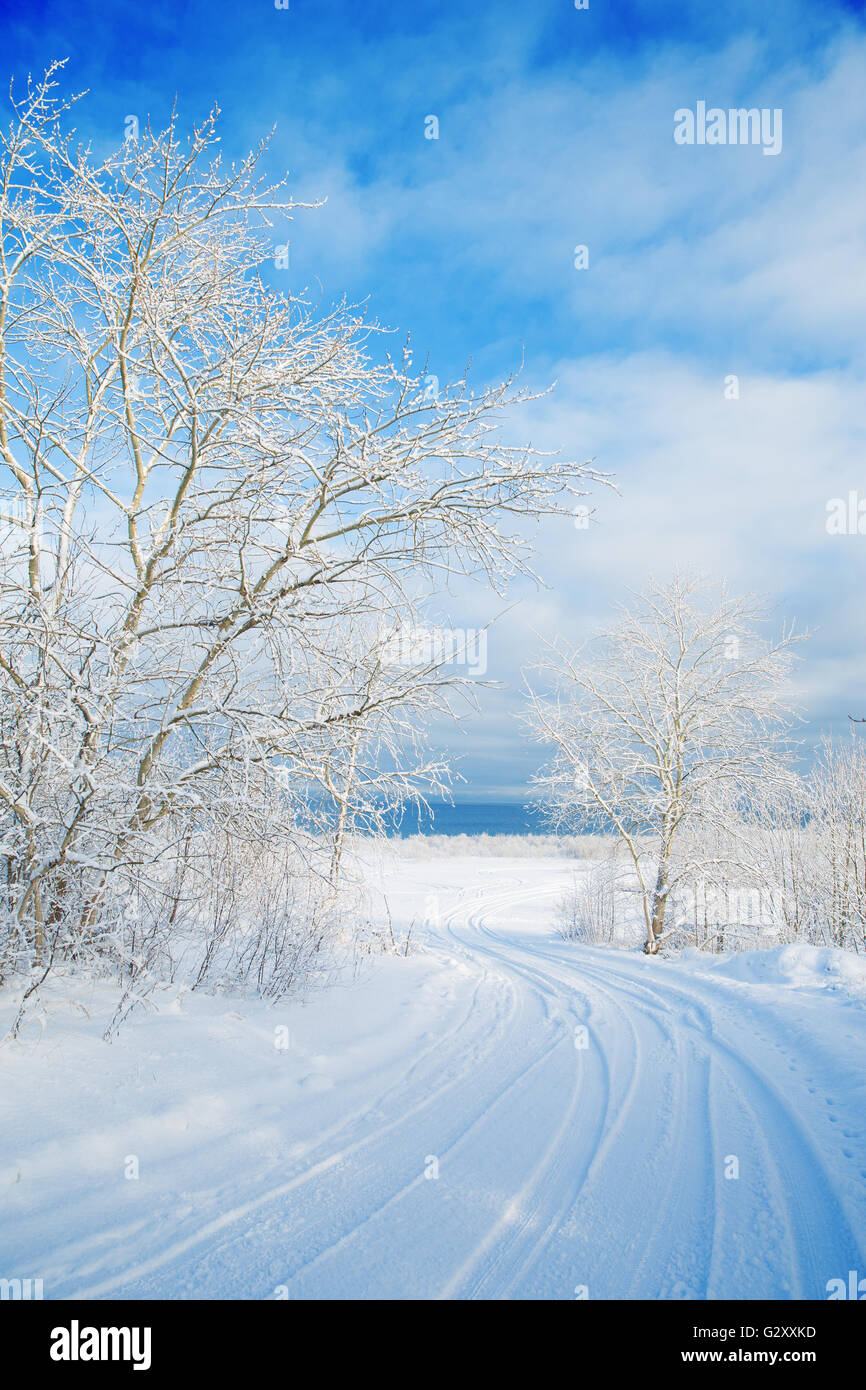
(587, 911)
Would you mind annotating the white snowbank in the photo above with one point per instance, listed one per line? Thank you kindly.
(796, 965)
(491, 846)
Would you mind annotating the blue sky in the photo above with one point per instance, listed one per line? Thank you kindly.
(556, 129)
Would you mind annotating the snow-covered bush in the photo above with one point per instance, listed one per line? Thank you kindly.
(837, 787)
(587, 911)
(808, 843)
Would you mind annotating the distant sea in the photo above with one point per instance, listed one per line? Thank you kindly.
(471, 818)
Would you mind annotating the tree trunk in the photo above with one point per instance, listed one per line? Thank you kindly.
(659, 903)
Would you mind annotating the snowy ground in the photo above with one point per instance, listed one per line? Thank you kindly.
(500, 1115)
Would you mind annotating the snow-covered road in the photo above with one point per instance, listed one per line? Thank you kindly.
(691, 1139)
(522, 1118)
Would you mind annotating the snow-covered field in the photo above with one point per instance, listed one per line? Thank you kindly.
(500, 1114)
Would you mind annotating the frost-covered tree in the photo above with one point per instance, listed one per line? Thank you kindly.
(837, 814)
(678, 702)
(218, 504)
(808, 842)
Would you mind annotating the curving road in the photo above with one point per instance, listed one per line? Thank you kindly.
(585, 1122)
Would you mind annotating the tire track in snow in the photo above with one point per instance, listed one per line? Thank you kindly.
(811, 1225)
(241, 1211)
(515, 1220)
(611, 1123)
(619, 1182)
(512, 1218)
(657, 1218)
